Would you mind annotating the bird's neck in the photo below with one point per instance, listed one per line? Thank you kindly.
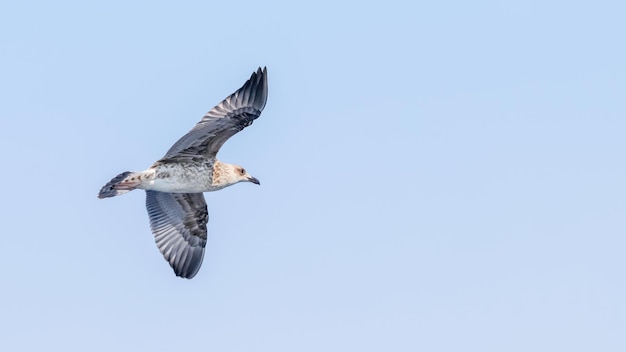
(221, 175)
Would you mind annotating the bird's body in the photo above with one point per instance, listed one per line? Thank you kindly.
(175, 183)
(189, 177)
(183, 177)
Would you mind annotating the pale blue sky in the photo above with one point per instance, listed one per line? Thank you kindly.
(438, 176)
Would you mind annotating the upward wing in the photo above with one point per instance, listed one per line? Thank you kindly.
(230, 116)
(178, 222)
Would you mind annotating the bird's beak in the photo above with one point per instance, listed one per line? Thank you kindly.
(254, 180)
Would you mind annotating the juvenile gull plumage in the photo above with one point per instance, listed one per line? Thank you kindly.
(174, 184)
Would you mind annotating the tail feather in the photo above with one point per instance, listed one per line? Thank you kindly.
(119, 185)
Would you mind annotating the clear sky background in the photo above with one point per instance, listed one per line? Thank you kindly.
(435, 176)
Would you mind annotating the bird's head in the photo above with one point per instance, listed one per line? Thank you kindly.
(229, 174)
(242, 175)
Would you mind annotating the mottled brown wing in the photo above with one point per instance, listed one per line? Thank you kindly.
(178, 222)
(232, 115)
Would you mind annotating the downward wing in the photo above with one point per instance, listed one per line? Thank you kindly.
(230, 116)
(178, 222)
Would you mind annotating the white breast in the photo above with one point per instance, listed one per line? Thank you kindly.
(180, 178)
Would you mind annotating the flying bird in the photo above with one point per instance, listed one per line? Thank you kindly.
(175, 183)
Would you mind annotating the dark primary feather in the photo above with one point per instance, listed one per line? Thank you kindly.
(230, 116)
(178, 222)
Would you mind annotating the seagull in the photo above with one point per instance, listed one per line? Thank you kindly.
(175, 183)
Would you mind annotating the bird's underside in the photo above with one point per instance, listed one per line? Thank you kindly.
(174, 184)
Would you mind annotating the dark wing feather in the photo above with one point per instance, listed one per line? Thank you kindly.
(178, 222)
(230, 116)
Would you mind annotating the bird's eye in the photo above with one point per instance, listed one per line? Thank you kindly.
(243, 171)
